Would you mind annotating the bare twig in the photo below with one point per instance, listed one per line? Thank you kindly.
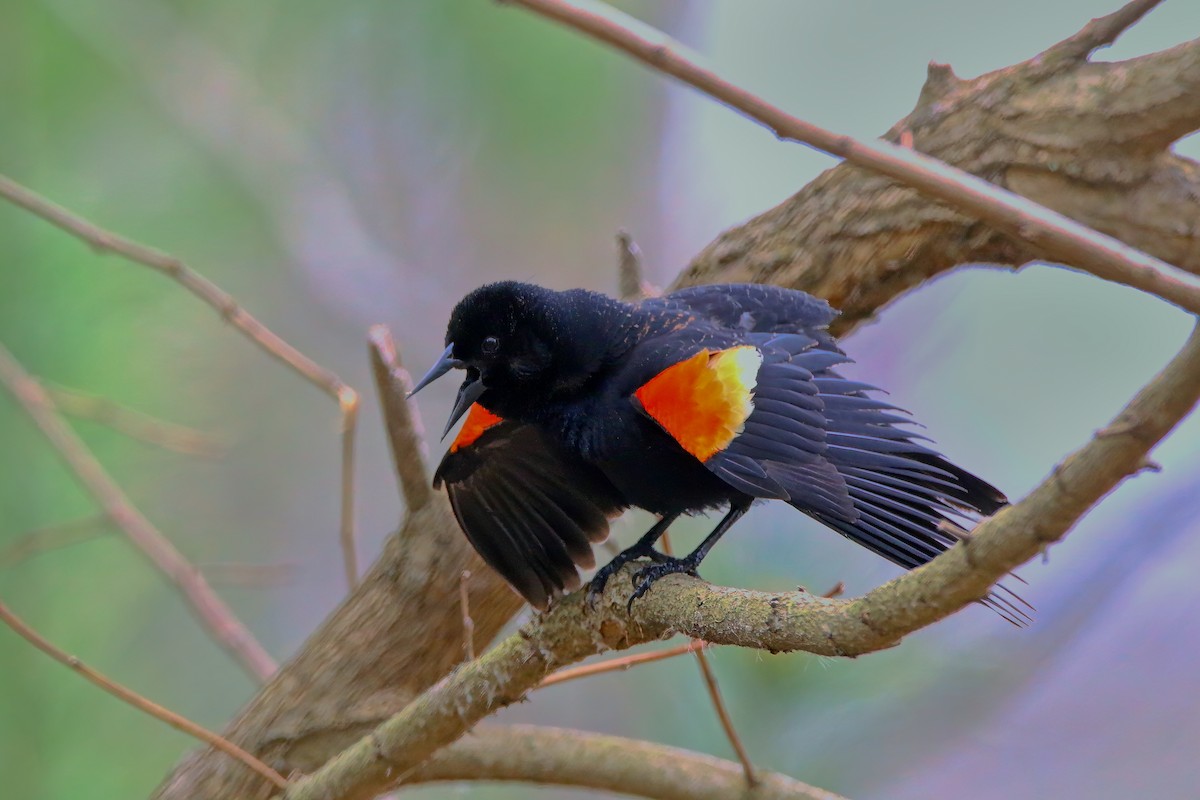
(718, 702)
(135, 424)
(348, 403)
(223, 303)
(217, 617)
(137, 701)
(52, 537)
(714, 693)
(1098, 33)
(468, 624)
(621, 664)
(1055, 235)
(560, 757)
(405, 432)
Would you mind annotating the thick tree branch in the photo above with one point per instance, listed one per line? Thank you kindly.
(774, 622)
(213, 613)
(1054, 235)
(561, 757)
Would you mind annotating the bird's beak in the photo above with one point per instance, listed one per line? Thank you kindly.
(468, 393)
(444, 364)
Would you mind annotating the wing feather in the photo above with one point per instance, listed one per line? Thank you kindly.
(531, 509)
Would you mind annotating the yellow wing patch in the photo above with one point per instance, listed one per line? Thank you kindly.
(479, 419)
(703, 401)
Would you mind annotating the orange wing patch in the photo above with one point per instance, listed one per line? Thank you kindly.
(479, 419)
(703, 401)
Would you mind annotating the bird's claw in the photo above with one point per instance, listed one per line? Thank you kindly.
(645, 577)
(600, 579)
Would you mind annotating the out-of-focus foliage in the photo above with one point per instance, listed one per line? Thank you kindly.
(340, 164)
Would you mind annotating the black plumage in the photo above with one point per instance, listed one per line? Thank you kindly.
(709, 397)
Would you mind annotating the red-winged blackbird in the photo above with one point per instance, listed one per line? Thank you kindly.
(579, 406)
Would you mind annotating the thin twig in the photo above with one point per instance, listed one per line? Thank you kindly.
(405, 432)
(137, 701)
(52, 537)
(468, 624)
(718, 702)
(135, 424)
(217, 617)
(348, 403)
(621, 664)
(1057, 236)
(223, 303)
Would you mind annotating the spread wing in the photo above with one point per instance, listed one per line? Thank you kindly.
(772, 417)
(530, 509)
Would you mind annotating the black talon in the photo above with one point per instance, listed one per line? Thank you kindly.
(644, 548)
(645, 577)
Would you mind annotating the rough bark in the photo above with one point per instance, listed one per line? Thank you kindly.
(1088, 139)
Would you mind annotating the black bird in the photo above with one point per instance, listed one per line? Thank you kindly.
(579, 406)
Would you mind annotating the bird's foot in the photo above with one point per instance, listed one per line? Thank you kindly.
(600, 579)
(645, 577)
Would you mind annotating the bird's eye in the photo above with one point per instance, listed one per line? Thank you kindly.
(490, 345)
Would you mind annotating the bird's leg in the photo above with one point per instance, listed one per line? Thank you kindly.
(644, 548)
(644, 578)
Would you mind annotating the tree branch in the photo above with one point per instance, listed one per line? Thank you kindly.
(406, 434)
(135, 424)
(1100, 32)
(214, 615)
(134, 699)
(224, 304)
(562, 757)
(1053, 234)
(782, 622)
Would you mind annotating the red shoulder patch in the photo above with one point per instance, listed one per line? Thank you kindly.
(703, 401)
(479, 419)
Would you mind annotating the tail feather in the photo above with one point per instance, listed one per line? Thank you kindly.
(909, 501)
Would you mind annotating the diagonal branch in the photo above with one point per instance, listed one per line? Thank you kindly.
(1057, 236)
(134, 699)
(1100, 32)
(135, 424)
(404, 429)
(224, 304)
(776, 622)
(53, 537)
(214, 615)
(561, 757)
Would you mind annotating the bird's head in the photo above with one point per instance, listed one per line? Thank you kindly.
(522, 345)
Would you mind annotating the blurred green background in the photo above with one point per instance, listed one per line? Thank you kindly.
(335, 165)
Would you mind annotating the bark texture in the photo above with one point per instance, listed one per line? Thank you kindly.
(1088, 139)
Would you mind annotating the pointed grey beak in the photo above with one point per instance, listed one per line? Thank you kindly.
(444, 364)
(468, 393)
